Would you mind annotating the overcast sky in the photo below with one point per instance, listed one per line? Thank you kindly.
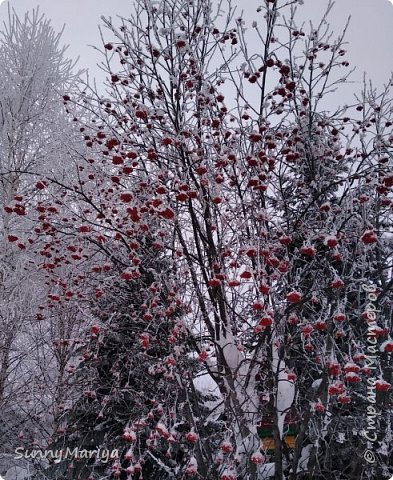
(370, 33)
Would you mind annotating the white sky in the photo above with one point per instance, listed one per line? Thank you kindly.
(370, 33)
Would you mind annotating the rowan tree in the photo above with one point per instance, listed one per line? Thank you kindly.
(273, 215)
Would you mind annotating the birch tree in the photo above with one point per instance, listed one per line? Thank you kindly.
(34, 73)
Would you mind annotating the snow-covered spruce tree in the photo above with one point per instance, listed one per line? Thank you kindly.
(33, 75)
(125, 372)
(274, 215)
